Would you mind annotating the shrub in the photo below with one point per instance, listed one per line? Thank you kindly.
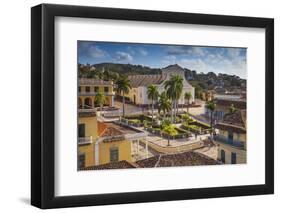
(165, 123)
(195, 129)
(200, 124)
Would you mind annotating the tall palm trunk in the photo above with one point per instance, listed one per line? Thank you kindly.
(152, 108)
(177, 107)
(211, 124)
(172, 111)
(175, 110)
(123, 104)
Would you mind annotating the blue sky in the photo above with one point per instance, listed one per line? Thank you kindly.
(202, 59)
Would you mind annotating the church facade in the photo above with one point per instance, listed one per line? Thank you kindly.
(139, 84)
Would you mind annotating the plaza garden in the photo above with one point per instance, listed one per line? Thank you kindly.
(164, 120)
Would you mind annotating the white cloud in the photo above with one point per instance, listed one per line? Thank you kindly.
(186, 50)
(143, 52)
(96, 52)
(123, 57)
(194, 64)
(233, 52)
(169, 59)
(217, 65)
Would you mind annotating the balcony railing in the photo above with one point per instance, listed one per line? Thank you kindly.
(87, 110)
(136, 135)
(113, 138)
(85, 140)
(95, 93)
(235, 143)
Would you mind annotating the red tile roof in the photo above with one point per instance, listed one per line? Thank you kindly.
(181, 159)
(113, 165)
(164, 160)
(235, 122)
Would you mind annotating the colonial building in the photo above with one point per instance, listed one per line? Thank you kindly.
(222, 107)
(139, 84)
(231, 138)
(89, 88)
(101, 143)
(87, 135)
(115, 142)
(207, 95)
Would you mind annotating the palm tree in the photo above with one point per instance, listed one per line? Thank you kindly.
(174, 88)
(187, 97)
(179, 86)
(100, 100)
(164, 104)
(211, 106)
(232, 109)
(123, 86)
(152, 94)
(171, 131)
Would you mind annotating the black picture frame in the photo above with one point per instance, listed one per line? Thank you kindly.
(43, 105)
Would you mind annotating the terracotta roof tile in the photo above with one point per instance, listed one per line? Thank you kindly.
(235, 122)
(180, 159)
(146, 80)
(113, 165)
(166, 160)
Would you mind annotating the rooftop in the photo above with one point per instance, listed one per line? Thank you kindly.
(145, 80)
(238, 118)
(93, 82)
(229, 127)
(236, 122)
(113, 165)
(112, 129)
(173, 68)
(182, 159)
(167, 160)
(239, 104)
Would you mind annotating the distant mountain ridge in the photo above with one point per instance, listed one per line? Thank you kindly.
(112, 71)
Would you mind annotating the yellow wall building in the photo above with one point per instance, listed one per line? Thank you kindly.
(231, 152)
(87, 135)
(101, 143)
(114, 151)
(89, 88)
(232, 138)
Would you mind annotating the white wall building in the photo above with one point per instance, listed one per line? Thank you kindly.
(139, 84)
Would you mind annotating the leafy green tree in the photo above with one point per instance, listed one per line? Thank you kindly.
(165, 123)
(232, 109)
(123, 86)
(100, 100)
(152, 94)
(170, 131)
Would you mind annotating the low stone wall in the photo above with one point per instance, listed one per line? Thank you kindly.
(176, 149)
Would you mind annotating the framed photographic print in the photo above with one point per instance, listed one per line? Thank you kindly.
(139, 106)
